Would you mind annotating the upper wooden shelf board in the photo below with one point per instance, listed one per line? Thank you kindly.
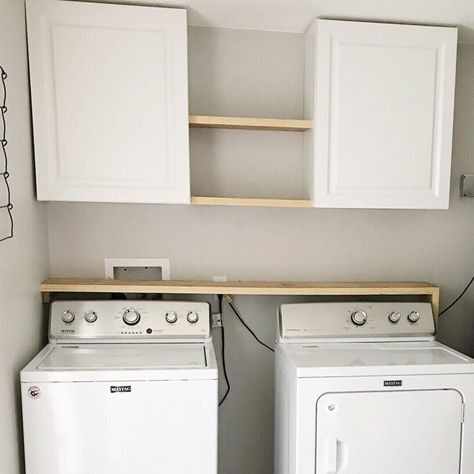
(250, 123)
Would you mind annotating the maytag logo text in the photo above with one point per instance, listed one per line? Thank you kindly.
(120, 388)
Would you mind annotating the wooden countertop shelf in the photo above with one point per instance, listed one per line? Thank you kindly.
(255, 202)
(250, 123)
(97, 285)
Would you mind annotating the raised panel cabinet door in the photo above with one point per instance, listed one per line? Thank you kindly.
(383, 112)
(110, 102)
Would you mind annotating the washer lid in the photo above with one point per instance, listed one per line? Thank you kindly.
(341, 359)
(124, 356)
(105, 362)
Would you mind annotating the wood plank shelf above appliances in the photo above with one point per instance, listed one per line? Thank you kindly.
(250, 123)
(98, 285)
(255, 202)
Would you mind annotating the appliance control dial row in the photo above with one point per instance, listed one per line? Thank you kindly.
(171, 317)
(359, 318)
(131, 317)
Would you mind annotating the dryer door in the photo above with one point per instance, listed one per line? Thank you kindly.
(409, 432)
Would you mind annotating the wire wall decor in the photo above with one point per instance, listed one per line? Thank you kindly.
(6, 206)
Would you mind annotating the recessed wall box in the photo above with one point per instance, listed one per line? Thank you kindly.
(137, 268)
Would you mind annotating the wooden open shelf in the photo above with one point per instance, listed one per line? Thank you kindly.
(97, 285)
(249, 123)
(256, 202)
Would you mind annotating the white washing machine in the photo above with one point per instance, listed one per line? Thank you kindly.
(363, 388)
(122, 387)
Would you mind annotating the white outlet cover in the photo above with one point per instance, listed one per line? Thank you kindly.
(112, 263)
(467, 185)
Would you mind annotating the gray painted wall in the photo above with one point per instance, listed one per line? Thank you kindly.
(245, 72)
(24, 259)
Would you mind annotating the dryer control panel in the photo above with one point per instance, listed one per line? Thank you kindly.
(128, 321)
(355, 320)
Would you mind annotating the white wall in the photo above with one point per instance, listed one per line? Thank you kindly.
(23, 259)
(275, 244)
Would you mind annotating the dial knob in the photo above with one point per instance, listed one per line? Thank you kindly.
(192, 317)
(131, 317)
(171, 317)
(394, 317)
(359, 318)
(68, 316)
(90, 316)
(414, 316)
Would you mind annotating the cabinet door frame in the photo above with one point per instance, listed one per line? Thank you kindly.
(430, 187)
(164, 157)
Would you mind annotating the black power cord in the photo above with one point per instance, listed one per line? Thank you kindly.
(224, 367)
(458, 298)
(234, 309)
(8, 206)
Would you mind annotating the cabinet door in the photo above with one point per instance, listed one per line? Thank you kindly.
(383, 114)
(410, 432)
(110, 102)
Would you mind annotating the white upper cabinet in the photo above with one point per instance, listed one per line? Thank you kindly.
(110, 102)
(382, 97)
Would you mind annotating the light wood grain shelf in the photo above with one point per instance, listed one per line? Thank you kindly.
(255, 202)
(250, 123)
(96, 285)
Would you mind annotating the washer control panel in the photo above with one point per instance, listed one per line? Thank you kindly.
(361, 319)
(126, 320)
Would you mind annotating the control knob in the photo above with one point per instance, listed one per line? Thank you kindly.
(192, 317)
(394, 317)
(171, 317)
(131, 317)
(359, 318)
(414, 316)
(68, 316)
(90, 316)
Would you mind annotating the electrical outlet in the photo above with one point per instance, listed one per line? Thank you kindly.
(467, 185)
(219, 279)
(216, 320)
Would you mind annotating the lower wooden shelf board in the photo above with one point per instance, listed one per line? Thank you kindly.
(103, 285)
(249, 123)
(256, 202)
(99, 285)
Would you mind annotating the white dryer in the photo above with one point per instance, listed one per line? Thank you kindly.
(123, 387)
(363, 388)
